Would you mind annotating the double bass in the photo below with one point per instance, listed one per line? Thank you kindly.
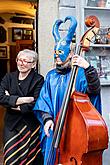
(80, 134)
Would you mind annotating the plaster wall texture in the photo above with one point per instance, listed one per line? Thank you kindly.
(48, 13)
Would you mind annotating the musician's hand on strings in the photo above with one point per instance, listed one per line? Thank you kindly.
(79, 61)
(48, 125)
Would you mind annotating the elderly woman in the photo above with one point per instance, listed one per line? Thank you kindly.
(18, 92)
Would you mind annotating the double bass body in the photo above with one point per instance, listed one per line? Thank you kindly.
(84, 136)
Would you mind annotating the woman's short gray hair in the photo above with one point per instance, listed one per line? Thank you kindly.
(29, 52)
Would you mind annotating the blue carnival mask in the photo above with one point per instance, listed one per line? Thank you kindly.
(62, 45)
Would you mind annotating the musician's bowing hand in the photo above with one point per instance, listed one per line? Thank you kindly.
(48, 125)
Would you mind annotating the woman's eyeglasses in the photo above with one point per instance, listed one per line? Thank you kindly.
(23, 61)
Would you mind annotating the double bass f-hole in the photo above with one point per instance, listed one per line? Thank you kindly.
(93, 23)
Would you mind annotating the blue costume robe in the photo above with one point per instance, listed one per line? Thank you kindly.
(51, 97)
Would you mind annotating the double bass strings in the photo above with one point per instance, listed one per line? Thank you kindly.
(52, 156)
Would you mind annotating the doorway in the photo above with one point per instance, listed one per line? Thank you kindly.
(17, 32)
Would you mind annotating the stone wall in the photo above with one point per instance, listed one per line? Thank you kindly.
(48, 13)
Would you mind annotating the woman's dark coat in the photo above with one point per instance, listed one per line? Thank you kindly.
(29, 87)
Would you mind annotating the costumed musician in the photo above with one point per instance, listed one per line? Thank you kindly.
(51, 96)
